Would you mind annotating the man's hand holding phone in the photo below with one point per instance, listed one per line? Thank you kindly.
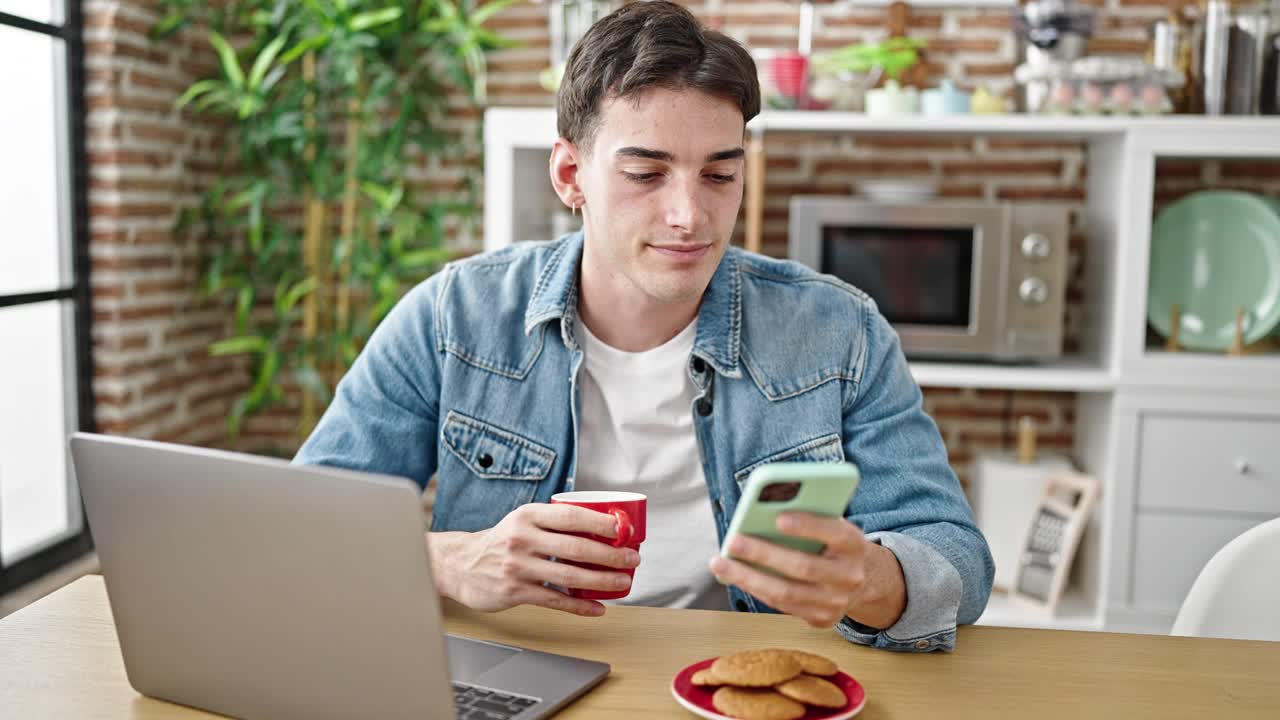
(790, 546)
(851, 576)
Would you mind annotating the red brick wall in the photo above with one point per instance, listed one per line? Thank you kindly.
(154, 378)
(1178, 177)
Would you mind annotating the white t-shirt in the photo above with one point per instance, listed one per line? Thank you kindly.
(636, 434)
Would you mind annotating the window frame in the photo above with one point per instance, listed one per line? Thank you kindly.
(79, 291)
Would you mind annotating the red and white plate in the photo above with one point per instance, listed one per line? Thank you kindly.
(697, 700)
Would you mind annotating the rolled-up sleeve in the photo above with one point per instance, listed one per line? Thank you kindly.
(911, 502)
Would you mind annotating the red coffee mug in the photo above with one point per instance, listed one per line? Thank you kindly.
(629, 509)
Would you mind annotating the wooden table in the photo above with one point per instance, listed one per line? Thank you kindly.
(59, 658)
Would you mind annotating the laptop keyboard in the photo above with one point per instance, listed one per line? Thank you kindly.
(474, 703)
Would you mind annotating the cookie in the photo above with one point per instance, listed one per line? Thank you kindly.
(756, 704)
(814, 664)
(814, 691)
(756, 668)
(704, 678)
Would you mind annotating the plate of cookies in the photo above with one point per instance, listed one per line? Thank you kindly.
(768, 684)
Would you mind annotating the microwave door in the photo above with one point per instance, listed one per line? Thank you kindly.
(934, 282)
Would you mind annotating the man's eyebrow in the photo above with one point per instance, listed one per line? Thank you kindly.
(645, 153)
(664, 156)
(733, 154)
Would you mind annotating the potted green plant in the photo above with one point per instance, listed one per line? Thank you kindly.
(329, 105)
(844, 75)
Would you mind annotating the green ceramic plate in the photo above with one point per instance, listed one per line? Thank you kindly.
(1211, 252)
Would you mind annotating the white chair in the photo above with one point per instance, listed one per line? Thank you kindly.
(1237, 594)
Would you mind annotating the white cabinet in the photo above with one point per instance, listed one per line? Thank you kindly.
(1204, 476)
(1185, 444)
(1209, 463)
(1191, 469)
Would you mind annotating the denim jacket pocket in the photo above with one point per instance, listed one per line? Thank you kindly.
(493, 453)
(827, 448)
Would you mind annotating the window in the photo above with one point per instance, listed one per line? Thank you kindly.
(45, 369)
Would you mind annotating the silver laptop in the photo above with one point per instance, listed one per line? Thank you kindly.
(254, 588)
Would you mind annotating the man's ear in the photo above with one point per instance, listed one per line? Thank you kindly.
(565, 164)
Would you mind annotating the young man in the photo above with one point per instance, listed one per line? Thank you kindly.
(646, 354)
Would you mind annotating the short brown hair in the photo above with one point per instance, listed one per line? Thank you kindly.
(650, 44)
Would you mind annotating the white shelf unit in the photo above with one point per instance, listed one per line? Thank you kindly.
(1072, 375)
(1115, 375)
(1061, 126)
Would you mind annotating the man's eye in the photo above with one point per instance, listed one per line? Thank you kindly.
(722, 178)
(640, 177)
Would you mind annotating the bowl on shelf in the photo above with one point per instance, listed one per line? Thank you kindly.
(893, 99)
(898, 191)
(946, 99)
(1213, 252)
(843, 90)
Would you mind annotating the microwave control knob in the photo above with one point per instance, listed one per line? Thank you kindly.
(1035, 246)
(1033, 291)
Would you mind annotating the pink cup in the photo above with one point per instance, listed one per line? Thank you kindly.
(629, 509)
(791, 76)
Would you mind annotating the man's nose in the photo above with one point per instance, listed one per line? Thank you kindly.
(685, 207)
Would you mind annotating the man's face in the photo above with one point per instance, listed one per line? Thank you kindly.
(662, 184)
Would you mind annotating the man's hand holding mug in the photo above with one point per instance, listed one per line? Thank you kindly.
(593, 536)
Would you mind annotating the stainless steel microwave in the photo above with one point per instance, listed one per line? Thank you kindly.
(963, 280)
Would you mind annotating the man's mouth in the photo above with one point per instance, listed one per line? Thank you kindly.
(683, 251)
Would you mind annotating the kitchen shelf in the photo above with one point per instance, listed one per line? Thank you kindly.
(1161, 368)
(1010, 124)
(1071, 375)
(1075, 612)
(535, 127)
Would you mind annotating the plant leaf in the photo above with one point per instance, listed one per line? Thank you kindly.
(195, 91)
(311, 43)
(238, 345)
(300, 289)
(439, 26)
(416, 259)
(318, 9)
(266, 375)
(244, 304)
(217, 96)
(263, 62)
(373, 18)
(490, 40)
(230, 63)
(256, 224)
(483, 13)
(169, 24)
(272, 78)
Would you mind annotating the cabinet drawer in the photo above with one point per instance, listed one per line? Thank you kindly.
(1170, 550)
(1210, 463)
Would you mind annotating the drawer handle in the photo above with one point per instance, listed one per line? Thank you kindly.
(1242, 466)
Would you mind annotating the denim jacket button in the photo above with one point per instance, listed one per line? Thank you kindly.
(485, 461)
(704, 407)
(699, 366)
(922, 644)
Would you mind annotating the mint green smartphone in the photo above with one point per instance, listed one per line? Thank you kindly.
(819, 488)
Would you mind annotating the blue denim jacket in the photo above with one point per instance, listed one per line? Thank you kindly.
(474, 376)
